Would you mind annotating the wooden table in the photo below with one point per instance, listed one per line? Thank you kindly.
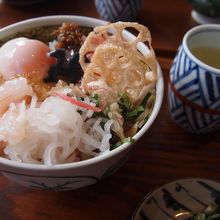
(164, 154)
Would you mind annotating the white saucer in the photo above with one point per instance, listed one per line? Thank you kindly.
(178, 200)
(202, 19)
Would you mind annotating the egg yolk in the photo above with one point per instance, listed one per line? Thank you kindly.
(25, 57)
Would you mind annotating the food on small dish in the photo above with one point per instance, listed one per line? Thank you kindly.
(54, 110)
(211, 212)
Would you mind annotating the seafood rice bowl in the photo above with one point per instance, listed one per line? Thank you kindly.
(75, 94)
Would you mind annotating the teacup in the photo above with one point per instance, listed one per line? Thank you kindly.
(118, 10)
(194, 83)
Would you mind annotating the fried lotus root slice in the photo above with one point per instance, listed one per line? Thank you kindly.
(114, 34)
(114, 70)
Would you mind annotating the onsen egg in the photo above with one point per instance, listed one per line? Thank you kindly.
(23, 56)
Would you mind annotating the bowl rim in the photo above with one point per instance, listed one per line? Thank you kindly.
(58, 19)
(194, 31)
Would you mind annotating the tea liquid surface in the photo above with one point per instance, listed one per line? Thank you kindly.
(208, 55)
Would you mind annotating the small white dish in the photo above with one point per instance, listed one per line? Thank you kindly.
(178, 200)
(202, 19)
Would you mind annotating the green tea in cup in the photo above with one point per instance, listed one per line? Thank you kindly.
(208, 55)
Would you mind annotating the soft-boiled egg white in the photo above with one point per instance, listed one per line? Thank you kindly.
(23, 56)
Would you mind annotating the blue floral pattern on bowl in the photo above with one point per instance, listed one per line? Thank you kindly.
(62, 183)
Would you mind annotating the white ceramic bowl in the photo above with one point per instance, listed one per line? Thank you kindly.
(79, 174)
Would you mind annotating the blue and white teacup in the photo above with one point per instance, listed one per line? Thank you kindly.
(118, 10)
(194, 85)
